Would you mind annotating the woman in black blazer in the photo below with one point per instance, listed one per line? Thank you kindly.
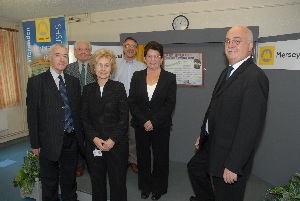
(105, 122)
(152, 99)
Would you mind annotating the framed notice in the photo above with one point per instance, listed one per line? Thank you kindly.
(188, 67)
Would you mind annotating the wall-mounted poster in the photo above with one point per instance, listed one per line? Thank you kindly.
(188, 67)
(39, 35)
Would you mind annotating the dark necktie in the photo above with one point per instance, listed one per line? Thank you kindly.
(68, 116)
(82, 76)
(230, 68)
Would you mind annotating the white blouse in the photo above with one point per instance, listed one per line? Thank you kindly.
(150, 90)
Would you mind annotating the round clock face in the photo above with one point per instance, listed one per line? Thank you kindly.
(180, 23)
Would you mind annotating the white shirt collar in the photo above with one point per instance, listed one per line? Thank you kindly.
(55, 74)
(236, 65)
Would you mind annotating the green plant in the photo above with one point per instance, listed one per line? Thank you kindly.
(25, 177)
(289, 192)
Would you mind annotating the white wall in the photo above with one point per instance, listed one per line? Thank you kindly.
(274, 17)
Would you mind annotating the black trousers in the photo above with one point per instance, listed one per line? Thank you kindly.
(62, 171)
(155, 180)
(113, 163)
(207, 190)
(199, 177)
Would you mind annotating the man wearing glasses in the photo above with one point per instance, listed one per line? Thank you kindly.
(125, 69)
(232, 124)
(81, 70)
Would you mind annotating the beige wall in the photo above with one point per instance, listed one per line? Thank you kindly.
(274, 17)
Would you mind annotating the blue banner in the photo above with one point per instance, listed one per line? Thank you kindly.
(39, 35)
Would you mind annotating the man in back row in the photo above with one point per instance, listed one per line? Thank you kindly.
(81, 70)
(125, 70)
(232, 124)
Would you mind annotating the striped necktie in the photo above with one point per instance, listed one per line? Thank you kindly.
(68, 116)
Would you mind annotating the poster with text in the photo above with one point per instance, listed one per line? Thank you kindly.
(39, 35)
(188, 67)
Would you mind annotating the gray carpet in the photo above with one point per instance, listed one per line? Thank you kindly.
(11, 159)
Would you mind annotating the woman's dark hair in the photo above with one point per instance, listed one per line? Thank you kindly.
(153, 45)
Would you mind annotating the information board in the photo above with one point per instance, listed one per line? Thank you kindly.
(188, 67)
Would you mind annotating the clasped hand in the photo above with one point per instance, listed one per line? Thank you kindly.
(104, 145)
(148, 126)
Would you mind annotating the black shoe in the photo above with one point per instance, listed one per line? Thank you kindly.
(155, 196)
(193, 198)
(145, 195)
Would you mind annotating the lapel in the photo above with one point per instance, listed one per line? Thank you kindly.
(107, 90)
(220, 88)
(107, 93)
(220, 82)
(143, 84)
(162, 80)
(69, 87)
(90, 78)
(50, 83)
(76, 70)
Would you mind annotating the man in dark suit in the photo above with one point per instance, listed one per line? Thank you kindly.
(55, 130)
(232, 124)
(81, 70)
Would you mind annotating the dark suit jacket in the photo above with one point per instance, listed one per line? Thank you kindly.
(107, 116)
(236, 117)
(162, 104)
(73, 69)
(45, 113)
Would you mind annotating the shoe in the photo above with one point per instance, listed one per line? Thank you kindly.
(155, 196)
(193, 198)
(145, 195)
(80, 171)
(134, 167)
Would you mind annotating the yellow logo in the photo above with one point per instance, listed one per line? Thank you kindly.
(266, 55)
(42, 27)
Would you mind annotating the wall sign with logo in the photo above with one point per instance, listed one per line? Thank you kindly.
(39, 35)
(188, 67)
(279, 55)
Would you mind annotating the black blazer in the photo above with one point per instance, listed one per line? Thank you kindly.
(236, 117)
(159, 110)
(107, 116)
(45, 113)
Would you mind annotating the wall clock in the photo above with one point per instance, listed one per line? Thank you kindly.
(180, 23)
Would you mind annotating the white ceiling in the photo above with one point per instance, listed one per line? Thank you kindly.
(18, 10)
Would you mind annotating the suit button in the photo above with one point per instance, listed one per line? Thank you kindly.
(63, 107)
(149, 108)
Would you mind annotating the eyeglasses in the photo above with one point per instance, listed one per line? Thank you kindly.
(234, 42)
(148, 56)
(83, 49)
(129, 46)
(99, 65)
